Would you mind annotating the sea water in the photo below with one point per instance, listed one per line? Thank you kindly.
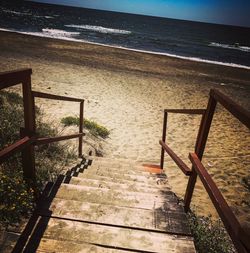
(218, 44)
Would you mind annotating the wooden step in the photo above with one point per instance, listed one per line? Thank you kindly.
(165, 219)
(115, 197)
(160, 183)
(151, 179)
(54, 246)
(121, 170)
(107, 182)
(71, 232)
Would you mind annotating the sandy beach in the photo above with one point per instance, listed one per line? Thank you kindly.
(127, 92)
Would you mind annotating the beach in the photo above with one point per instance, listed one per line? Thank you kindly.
(127, 92)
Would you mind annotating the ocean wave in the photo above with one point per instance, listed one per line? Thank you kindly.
(56, 33)
(235, 46)
(16, 12)
(50, 33)
(59, 34)
(25, 14)
(37, 16)
(100, 29)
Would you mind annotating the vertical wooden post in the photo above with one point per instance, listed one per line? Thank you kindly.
(200, 145)
(164, 129)
(80, 129)
(28, 156)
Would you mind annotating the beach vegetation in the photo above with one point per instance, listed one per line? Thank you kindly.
(16, 198)
(210, 236)
(93, 127)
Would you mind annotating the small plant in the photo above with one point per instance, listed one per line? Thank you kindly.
(209, 236)
(70, 121)
(93, 127)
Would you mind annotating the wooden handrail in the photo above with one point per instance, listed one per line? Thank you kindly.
(228, 218)
(55, 97)
(26, 144)
(15, 147)
(12, 78)
(239, 236)
(60, 138)
(186, 111)
(184, 168)
(164, 130)
(47, 140)
(236, 110)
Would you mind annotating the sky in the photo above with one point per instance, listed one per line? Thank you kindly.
(231, 12)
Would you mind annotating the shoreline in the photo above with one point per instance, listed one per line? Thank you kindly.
(192, 59)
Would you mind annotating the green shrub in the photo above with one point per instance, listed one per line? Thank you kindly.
(93, 127)
(70, 121)
(17, 201)
(96, 129)
(210, 236)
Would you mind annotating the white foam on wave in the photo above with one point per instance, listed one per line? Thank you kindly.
(25, 14)
(16, 12)
(37, 16)
(99, 29)
(56, 33)
(61, 37)
(49, 33)
(235, 46)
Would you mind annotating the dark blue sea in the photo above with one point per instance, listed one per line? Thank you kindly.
(197, 41)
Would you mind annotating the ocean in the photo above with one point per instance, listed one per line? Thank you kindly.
(217, 44)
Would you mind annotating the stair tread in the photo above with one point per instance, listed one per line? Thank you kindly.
(159, 183)
(116, 197)
(82, 233)
(122, 170)
(168, 218)
(54, 246)
(151, 179)
(125, 185)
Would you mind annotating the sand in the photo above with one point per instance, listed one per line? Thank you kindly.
(127, 92)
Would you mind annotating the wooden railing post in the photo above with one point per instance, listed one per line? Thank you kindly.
(80, 129)
(164, 129)
(200, 147)
(28, 155)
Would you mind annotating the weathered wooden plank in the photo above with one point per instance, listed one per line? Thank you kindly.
(47, 140)
(186, 111)
(121, 238)
(56, 97)
(114, 197)
(123, 186)
(11, 78)
(184, 168)
(15, 147)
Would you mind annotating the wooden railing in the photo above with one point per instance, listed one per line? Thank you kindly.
(29, 137)
(238, 235)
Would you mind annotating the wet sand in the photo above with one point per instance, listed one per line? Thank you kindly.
(127, 92)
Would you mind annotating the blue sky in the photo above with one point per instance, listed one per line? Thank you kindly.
(234, 12)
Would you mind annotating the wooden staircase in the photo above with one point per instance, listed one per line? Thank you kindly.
(110, 206)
